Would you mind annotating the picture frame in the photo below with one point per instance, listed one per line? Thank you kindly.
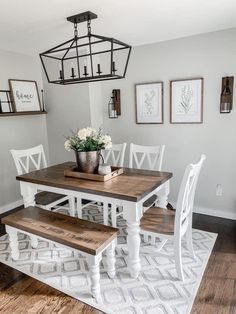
(5, 102)
(149, 103)
(186, 101)
(25, 95)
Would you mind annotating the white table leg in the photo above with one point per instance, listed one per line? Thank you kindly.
(132, 213)
(28, 192)
(13, 238)
(111, 260)
(163, 195)
(94, 269)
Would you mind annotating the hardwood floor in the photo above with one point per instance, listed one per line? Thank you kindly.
(217, 293)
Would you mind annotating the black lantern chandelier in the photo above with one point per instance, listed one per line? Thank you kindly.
(86, 58)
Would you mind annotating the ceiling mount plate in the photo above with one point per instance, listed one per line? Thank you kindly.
(82, 17)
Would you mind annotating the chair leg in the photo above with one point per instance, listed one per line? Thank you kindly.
(178, 259)
(79, 207)
(189, 241)
(72, 206)
(34, 241)
(153, 240)
(105, 213)
(113, 215)
(145, 237)
(99, 206)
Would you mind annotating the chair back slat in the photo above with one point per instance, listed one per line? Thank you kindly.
(186, 195)
(29, 159)
(115, 155)
(153, 155)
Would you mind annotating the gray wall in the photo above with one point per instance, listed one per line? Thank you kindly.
(69, 109)
(210, 56)
(17, 132)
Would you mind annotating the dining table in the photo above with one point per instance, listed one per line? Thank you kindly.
(128, 190)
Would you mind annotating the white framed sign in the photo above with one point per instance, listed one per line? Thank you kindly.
(149, 103)
(186, 101)
(25, 95)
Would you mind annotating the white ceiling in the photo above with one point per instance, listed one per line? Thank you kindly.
(32, 26)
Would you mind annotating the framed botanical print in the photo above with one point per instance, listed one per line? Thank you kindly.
(25, 96)
(149, 103)
(186, 101)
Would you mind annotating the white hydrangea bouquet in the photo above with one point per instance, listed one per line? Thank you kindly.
(88, 139)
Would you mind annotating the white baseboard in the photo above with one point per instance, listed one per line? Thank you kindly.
(215, 213)
(211, 212)
(6, 208)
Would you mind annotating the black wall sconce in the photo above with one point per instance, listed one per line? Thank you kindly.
(114, 107)
(226, 99)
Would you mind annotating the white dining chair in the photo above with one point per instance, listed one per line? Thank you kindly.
(114, 157)
(153, 156)
(166, 224)
(149, 158)
(30, 159)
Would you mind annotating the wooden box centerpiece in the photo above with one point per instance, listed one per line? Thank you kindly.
(74, 173)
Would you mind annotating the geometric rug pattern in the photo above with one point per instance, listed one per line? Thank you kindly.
(156, 291)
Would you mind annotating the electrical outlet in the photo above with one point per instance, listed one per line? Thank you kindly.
(219, 190)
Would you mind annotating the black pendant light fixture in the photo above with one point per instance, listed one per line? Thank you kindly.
(86, 58)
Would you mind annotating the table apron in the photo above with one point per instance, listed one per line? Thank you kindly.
(88, 196)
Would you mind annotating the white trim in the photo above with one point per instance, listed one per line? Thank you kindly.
(215, 212)
(211, 212)
(7, 207)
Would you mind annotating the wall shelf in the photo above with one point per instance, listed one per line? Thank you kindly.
(26, 113)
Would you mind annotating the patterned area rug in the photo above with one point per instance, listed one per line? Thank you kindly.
(156, 291)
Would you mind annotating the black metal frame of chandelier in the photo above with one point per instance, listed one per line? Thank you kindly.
(87, 79)
(79, 18)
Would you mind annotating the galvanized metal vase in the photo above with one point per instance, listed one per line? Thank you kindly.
(88, 161)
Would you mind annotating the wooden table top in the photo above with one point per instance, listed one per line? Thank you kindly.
(83, 235)
(132, 185)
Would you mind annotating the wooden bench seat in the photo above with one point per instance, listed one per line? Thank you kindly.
(82, 235)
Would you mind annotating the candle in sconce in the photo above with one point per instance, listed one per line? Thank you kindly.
(85, 71)
(72, 70)
(113, 67)
(99, 69)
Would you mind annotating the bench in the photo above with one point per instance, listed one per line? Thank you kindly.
(86, 237)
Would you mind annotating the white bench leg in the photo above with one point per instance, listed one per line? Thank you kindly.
(111, 260)
(94, 269)
(13, 238)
